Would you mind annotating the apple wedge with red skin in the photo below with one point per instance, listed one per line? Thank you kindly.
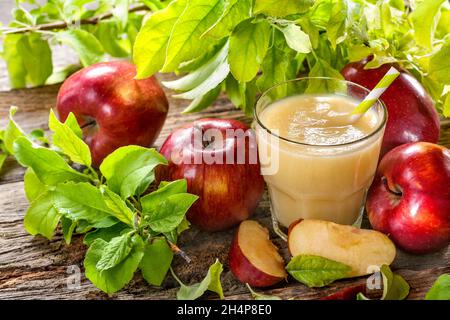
(412, 116)
(410, 197)
(253, 258)
(228, 192)
(112, 107)
(349, 293)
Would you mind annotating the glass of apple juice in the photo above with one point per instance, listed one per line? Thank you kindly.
(317, 165)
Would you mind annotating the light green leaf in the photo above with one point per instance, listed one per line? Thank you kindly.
(120, 11)
(169, 213)
(439, 68)
(37, 58)
(69, 142)
(337, 24)
(394, 286)
(114, 279)
(248, 46)
(83, 201)
(149, 51)
(14, 61)
(322, 69)
(259, 296)
(106, 234)
(282, 8)
(118, 207)
(446, 106)
(87, 46)
(49, 167)
(72, 123)
(2, 159)
(200, 103)
(211, 282)
(112, 39)
(296, 39)
(425, 18)
(199, 76)
(32, 185)
(315, 271)
(12, 131)
(42, 217)
(235, 12)
(440, 289)
(184, 43)
(115, 252)
(127, 167)
(361, 296)
(151, 201)
(67, 227)
(156, 261)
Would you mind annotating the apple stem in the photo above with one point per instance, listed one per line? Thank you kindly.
(178, 251)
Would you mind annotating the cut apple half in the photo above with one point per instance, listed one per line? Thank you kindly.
(253, 258)
(363, 250)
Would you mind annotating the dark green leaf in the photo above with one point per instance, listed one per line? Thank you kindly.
(106, 234)
(115, 252)
(67, 226)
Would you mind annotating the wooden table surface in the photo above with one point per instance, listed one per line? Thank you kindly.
(35, 268)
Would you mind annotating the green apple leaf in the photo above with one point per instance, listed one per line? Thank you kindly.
(361, 296)
(126, 168)
(12, 131)
(424, 19)
(184, 42)
(119, 208)
(156, 261)
(2, 159)
(440, 289)
(83, 201)
(296, 39)
(204, 101)
(235, 12)
(248, 46)
(37, 58)
(169, 213)
(151, 201)
(14, 61)
(115, 252)
(201, 75)
(106, 234)
(282, 8)
(69, 142)
(110, 36)
(315, 271)
(32, 185)
(439, 67)
(49, 166)
(394, 286)
(67, 226)
(149, 51)
(211, 282)
(72, 123)
(337, 24)
(115, 278)
(41, 216)
(87, 46)
(259, 296)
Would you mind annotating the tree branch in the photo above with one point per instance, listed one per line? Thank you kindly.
(64, 25)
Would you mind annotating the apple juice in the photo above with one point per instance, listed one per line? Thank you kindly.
(324, 166)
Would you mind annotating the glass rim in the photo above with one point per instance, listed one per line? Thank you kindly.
(373, 133)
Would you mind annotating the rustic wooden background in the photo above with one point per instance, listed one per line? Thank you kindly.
(35, 268)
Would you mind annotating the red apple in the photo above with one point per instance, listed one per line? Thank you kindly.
(349, 293)
(253, 258)
(410, 197)
(198, 152)
(112, 107)
(411, 113)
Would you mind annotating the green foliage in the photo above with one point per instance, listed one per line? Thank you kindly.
(124, 231)
(325, 34)
(32, 34)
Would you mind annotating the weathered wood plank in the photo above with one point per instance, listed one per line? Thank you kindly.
(33, 267)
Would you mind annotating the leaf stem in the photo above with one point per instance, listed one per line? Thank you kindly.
(65, 24)
(176, 278)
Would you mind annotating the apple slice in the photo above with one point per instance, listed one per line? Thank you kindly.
(253, 258)
(361, 249)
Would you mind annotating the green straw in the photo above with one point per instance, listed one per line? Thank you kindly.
(376, 92)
